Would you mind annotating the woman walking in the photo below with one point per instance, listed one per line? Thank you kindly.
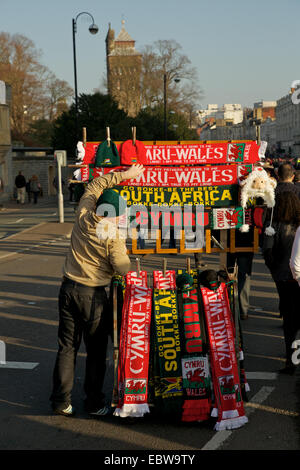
(35, 187)
(277, 253)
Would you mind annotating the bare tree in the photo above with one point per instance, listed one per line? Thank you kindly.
(57, 94)
(36, 93)
(164, 58)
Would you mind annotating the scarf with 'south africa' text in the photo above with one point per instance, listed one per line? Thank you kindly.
(227, 389)
(168, 394)
(134, 347)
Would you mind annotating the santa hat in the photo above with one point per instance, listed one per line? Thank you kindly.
(133, 152)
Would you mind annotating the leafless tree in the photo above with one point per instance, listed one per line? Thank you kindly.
(36, 92)
(164, 58)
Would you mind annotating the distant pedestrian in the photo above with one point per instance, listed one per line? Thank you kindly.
(277, 253)
(35, 187)
(71, 191)
(55, 183)
(28, 191)
(20, 183)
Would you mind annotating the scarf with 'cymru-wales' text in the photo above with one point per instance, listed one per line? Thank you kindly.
(134, 347)
(226, 382)
(195, 364)
(232, 291)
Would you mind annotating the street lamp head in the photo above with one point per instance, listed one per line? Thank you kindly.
(93, 29)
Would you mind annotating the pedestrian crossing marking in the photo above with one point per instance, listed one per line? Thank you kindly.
(262, 334)
(261, 356)
(270, 409)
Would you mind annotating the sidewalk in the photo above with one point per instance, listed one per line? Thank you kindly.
(42, 201)
(33, 237)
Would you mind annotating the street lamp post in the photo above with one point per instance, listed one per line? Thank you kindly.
(93, 29)
(176, 80)
(165, 106)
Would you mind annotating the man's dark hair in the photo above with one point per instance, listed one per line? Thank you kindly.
(285, 171)
(297, 176)
(287, 208)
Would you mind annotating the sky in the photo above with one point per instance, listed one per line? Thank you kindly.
(244, 51)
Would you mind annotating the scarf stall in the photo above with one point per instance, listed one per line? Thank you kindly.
(185, 362)
(180, 345)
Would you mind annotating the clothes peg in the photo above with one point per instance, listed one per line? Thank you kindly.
(84, 136)
(164, 266)
(138, 266)
(188, 264)
(217, 243)
(133, 135)
(108, 136)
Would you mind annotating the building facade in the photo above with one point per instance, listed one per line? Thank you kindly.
(6, 183)
(124, 65)
(288, 123)
(241, 124)
(263, 110)
(232, 113)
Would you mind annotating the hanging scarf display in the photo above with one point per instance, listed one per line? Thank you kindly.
(194, 361)
(226, 382)
(167, 350)
(177, 177)
(183, 154)
(134, 347)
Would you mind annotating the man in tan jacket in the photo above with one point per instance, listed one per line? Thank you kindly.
(97, 251)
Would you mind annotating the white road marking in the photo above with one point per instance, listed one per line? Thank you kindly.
(221, 436)
(18, 365)
(13, 365)
(261, 375)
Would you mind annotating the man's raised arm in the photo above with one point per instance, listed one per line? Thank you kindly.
(94, 189)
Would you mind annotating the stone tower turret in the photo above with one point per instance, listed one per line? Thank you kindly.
(123, 70)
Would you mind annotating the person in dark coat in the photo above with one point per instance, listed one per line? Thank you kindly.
(286, 175)
(297, 178)
(277, 252)
(35, 187)
(20, 183)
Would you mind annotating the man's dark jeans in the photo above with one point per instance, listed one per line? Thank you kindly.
(83, 312)
(244, 263)
(289, 300)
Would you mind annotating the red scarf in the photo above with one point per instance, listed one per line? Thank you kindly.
(134, 347)
(227, 389)
(164, 282)
(195, 365)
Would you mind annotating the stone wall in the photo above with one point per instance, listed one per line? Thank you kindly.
(44, 167)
